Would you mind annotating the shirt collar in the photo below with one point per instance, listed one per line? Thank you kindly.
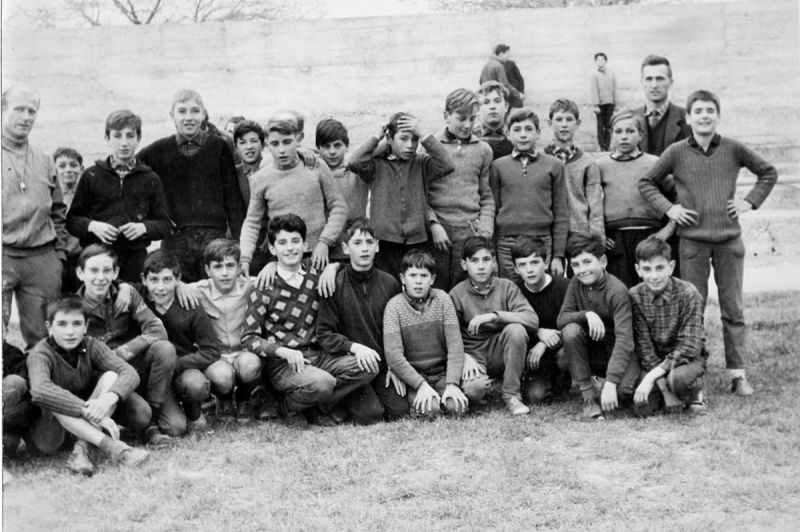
(661, 109)
(667, 294)
(448, 138)
(519, 155)
(14, 145)
(286, 275)
(713, 144)
(119, 165)
(485, 129)
(238, 289)
(199, 139)
(79, 349)
(111, 295)
(626, 157)
(565, 154)
(418, 304)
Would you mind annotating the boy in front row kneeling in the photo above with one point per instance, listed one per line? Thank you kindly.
(422, 342)
(63, 371)
(495, 321)
(668, 329)
(596, 328)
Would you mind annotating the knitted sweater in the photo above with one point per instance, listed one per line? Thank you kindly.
(547, 303)
(201, 190)
(706, 183)
(531, 201)
(33, 206)
(426, 341)
(354, 313)
(623, 204)
(61, 380)
(503, 298)
(608, 298)
(102, 196)
(282, 316)
(308, 193)
(356, 194)
(464, 197)
(603, 87)
(584, 193)
(398, 202)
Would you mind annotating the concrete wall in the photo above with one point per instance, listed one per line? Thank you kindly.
(363, 70)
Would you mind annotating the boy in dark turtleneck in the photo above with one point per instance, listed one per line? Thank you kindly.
(350, 323)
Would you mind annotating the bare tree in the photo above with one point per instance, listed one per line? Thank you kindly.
(452, 6)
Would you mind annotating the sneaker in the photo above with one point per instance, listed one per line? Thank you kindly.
(598, 383)
(244, 411)
(742, 388)
(198, 425)
(516, 407)
(120, 453)
(591, 408)
(156, 439)
(79, 461)
(226, 409)
(697, 406)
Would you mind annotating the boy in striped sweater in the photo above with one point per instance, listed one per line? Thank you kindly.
(705, 168)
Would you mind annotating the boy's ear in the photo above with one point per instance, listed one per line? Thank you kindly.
(550, 122)
(345, 248)
(300, 137)
(143, 276)
(604, 261)
(638, 271)
(208, 270)
(79, 273)
(463, 265)
(578, 121)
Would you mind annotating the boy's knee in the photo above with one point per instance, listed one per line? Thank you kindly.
(15, 389)
(138, 415)
(572, 332)
(174, 426)
(536, 391)
(516, 334)
(434, 412)
(164, 352)
(47, 435)
(475, 389)
(222, 377)
(194, 387)
(248, 368)
(367, 410)
(321, 386)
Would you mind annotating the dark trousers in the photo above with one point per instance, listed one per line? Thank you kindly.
(503, 356)
(394, 405)
(604, 125)
(155, 367)
(188, 245)
(448, 263)
(130, 264)
(390, 256)
(550, 378)
(683, 381)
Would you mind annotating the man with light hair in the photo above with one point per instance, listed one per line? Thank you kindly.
(34, 218)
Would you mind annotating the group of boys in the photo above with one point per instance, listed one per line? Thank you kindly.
(308, 315)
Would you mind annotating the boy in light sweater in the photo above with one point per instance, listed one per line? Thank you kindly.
(460, 205)
(705, 168)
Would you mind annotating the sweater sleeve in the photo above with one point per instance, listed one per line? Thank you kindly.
(486, 202)
(258, 304)
(256, 209)
(234, 203)
(150, 326)
(656, 178)
(104, 359)
(361, 163)
(766, 174)
(594, 91)
(519, 310)
(643, 342)
(560, 212)
(205, 340)
(500, 74)
(393, 345)
(437, 163)
(495, 185)
(158, 224)
(594, 198)
(78, 219)
(620, 304)
(335, 205)
(45, 393)
(329, 326)
(570, 311)
(455, 344)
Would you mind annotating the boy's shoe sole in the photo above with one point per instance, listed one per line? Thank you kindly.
(591, 410)
(121, 454)
(742, 388)
(516, 408)
(79, 461)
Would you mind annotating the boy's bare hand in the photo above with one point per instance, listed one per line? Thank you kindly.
(535, 355)
(609, 243)
(597, 330)
(608, 399)
(267, 276)
(132, 231)
(550, 337)
(738, 206)
(476, 322)
(326, 285)
(425, 399)
(642, 394)
(308, 157)
(557, 267)
(124, 296)
(293, 357)
(109, 426)
(683, 216)
(672, 403)
(666, 232)
(366, 358)
(107, 233)
(411, 124)
(453, 392)
(96, 409)
(440, 239)
(381, 132)
(472, 370)
(319, 258)
(187, 297)
(394, 380)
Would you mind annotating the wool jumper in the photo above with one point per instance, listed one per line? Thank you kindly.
(706, 183)
(584, 193)
(623, 204)
(202, 190)
(547, 303)
(423, 341)
(532, 200)
(603, 87)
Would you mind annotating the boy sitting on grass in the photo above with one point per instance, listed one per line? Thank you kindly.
(69, 167)
(668, 330)
(705, 168)
(422, 342)
(548, 367)
(280, 327)
(495, 322)
(584, 193)
(119, 201)
(198, 367)
(332, 141)
(530, 196)
(397, 183)
(136, 335)
(596, 328)
(350, 324)
(79, 384)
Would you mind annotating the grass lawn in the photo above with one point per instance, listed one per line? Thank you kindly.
(737, 468)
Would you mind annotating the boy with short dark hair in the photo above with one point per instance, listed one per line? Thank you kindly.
(136, 335)
(492, 129)
(668, 330)
(350, 324)
(596, 328)
(69, 167)
(250, 140)
(79, 384)
(705, 169)
(495, 322)
(397, 181)
(288, 186)
(584, 192)
(548, 367)
(198, 367)
(460, 205)
(530, 196)
(119, 201)
(422, 341)
(332, 141)
(280, 327)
